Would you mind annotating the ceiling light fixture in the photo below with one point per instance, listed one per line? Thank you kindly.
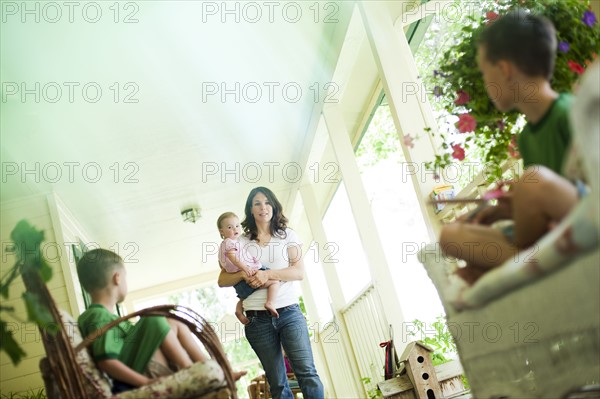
(191, 214)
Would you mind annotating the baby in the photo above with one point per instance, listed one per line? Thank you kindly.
(234, 258)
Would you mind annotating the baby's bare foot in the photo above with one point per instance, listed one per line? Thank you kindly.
(271, 309)
(239, 374)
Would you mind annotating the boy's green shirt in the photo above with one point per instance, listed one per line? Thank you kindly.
(132, 344)
(109, 345)
(546, 143)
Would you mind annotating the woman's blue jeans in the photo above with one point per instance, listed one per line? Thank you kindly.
(268, 334)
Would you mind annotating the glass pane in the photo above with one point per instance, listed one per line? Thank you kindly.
(318, 284)
(77, 254)
(400, 224)
(348, 257)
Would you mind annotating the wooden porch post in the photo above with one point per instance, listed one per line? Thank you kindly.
(363, 217)
(313, 214)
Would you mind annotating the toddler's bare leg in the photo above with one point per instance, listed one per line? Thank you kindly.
(272, 289)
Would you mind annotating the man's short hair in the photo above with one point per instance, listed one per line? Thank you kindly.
(527, 40)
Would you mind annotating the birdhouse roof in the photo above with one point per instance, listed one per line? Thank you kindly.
(413, 346)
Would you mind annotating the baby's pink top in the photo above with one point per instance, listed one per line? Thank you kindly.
(228, 245)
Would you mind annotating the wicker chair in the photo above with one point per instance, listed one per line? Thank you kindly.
(69, 372)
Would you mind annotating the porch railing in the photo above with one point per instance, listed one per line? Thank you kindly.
(367, 328)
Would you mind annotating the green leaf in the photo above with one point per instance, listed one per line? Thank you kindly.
(10, 276)
(36, 310)
(28, 241)
(45, 271)
(9, 345)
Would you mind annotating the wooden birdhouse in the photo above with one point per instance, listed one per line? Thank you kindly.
(418, 378)
(419, 368)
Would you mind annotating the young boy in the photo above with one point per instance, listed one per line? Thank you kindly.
(132, 355)
(516, 55)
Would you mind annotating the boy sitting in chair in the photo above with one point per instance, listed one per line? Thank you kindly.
(132, 355)
(516, 56)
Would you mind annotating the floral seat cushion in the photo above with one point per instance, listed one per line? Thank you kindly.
(196, 381)
(192, 382)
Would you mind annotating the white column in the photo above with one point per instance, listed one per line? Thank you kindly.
(363, 217)
(407, 99)
(333, 284)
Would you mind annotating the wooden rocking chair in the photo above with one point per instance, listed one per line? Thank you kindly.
(69, 372)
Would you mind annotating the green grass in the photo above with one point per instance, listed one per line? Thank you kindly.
(31, 394)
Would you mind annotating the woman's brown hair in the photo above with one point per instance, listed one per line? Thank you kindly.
(278, 221)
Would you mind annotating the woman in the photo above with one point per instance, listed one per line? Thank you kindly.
(267, 237)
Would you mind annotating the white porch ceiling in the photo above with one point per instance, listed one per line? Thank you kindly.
(167, 142)
(157, 154)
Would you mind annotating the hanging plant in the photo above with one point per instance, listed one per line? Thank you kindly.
(483, 133)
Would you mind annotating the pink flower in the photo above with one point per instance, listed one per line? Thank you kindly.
(466, 123)
(576, 67)
(408, 141)
(458, 152)
(513, 149)
(491, 17)
(462, 97)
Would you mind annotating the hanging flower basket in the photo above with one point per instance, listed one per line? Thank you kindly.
(482, 133)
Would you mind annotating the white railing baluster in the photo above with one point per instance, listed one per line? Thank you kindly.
(367, 327)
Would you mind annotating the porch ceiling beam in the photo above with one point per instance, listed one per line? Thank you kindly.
(161, 290)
